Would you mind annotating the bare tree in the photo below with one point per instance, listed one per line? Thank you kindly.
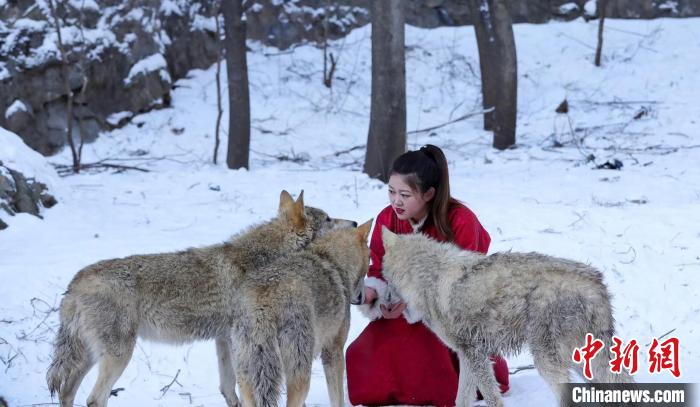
(219, 110)
(387, 126)
(488, 88)
(238, 93)
(499, 72)
(602, 5)
(327, 73)
(67, 88)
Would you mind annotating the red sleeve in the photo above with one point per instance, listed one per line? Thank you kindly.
(376, 247)
(468, 231)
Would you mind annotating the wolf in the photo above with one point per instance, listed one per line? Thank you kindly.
(297, 308)
(482, 305)
(176, 297)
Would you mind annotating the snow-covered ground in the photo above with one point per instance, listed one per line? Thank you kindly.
(639, 225)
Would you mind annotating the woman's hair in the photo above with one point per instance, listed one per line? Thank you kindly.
(424, 169)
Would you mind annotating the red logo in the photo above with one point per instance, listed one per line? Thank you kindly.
(666, 358)
(624, 358)
(586, 353)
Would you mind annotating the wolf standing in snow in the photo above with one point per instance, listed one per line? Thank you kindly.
(480, 305)
(168, 297)
(297, 308)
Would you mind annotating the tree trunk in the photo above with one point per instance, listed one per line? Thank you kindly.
(219, 109)
(238, 96)
(499, 72)
(487, 87)
(602, 5)
(387, 126)
(67, 88)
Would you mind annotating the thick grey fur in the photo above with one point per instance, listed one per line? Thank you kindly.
(484, 305)
(176, 297)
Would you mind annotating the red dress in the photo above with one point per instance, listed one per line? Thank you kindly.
(394, 362)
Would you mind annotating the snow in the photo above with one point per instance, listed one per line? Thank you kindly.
(15, 107)
(4, 72)
(85, 5)
(638, 225)
(567, 8)
(201, 23)
(169, 7)
(670, 5)
(115, 118)
(152, 63)
(591, 8)
(18, 156)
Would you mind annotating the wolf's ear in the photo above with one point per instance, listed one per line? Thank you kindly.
(297, 215)
(286, 200)
(388, 237)
(363, 230)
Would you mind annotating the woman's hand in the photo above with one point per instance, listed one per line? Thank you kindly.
(393, 311)
(370, 295)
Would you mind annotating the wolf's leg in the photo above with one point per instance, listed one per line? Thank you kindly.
(466, 392)
(258, 364)
(479, 367)
(298, 389)
(227, 374)
(553, 369)
(111, 367)
(72, 383)
(247, 394)
(296, 345)
(334, 366)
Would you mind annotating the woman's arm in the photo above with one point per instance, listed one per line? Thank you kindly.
(375, 285)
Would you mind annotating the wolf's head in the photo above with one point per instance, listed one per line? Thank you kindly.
(348, 250)
(308, 222)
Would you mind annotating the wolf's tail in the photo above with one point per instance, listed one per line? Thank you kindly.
(70, 353)
(259, 365)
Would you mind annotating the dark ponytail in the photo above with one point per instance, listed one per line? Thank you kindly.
(424, 169)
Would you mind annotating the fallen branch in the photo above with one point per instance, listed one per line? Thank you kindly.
(664, 335)
(115, 392)
(65, 170)
(622, 102)
(349, 150)
(521, 368)
(466, 116)
(166, 388)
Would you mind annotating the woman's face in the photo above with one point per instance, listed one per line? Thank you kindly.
(406, 202)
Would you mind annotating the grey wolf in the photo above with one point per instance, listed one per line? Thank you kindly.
(297, 308)
(483, 305)
(168, 297)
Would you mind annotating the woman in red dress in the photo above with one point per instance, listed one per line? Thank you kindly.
(397, 360)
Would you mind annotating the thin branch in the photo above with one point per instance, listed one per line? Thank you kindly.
(602, 5)
(67, 88)
(463, 117)
(219, 110)
(349, 150)
(85, 84)
(64, 170)
(664, 335)
(166, 388)
(521, 368)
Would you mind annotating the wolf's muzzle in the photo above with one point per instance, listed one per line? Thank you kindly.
(359, 297)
